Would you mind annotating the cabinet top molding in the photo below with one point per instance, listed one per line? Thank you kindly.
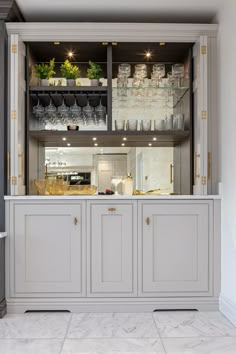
(120, 32)
(112, 198)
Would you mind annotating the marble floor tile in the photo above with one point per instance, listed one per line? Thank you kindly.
(90, 325)
(34, 326)
(112, 325)
(206, 345)
(193, 324)
(30, 346)
(134, 325)
(109, 346)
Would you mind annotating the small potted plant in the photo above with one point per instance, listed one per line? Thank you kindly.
(70, 72)
(94, 73)
(45, 72)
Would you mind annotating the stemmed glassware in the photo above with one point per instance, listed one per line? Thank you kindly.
(38, 111)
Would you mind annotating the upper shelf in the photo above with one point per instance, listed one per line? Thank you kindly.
(68, 88)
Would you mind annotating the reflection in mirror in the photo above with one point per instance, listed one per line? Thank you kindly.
(150, 167)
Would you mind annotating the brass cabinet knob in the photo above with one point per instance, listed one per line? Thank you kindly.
(148, 221)
(111, 209)
(75, 221)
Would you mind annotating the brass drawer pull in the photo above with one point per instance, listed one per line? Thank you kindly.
(148, 221)
(75, 221)
(111, 209)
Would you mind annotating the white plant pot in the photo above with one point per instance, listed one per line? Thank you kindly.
(94, 82)
(44, 82)
(70, 82)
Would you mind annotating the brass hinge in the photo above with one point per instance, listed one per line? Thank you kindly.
(14, 180)
(209, 165)
(203, 49)
(14, 48)
(13, 114)
(204, 180)
(204, 115)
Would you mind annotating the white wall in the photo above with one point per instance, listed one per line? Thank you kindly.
(227, 139)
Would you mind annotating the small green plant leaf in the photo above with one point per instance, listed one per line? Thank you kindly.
(45, 71)
(70, 71)
(94, 71)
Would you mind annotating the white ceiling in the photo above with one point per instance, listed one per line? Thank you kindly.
(121, 10)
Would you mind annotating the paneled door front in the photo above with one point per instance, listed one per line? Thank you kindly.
(174, 244)
(49, 249)
(112, 240)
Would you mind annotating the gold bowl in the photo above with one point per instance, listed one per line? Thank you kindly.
(78, 189)
(51, 186)
(40, 186)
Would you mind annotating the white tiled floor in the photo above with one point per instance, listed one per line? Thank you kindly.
(158, 333)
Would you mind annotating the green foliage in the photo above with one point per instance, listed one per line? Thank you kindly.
(69, 71)
(94, 72)
(45, 71)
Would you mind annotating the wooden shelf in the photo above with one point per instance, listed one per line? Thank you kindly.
(67, 88)
(109, 138)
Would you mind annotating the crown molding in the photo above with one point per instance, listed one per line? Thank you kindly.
(119, 32)
(9, 11)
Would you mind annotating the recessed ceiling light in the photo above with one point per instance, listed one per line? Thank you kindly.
(94, 139)
(104, 43)
(150, 144)
(148, 54)
(68, 144)
(162, 44)
(70, 54)
(64, 139)
(56, 43)
(124, 139)
(95, 144)
(122, 144)
(154, 139)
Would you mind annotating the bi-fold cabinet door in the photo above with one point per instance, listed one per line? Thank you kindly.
(112, 248)
(175, 243)
(47, 244)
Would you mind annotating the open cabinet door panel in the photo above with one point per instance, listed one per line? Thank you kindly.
(200, 116)
(17, 115)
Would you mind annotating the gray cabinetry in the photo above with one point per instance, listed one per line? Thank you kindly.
(47, 246)
(112, 238)
(174, 247)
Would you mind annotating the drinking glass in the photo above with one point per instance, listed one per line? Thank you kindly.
(132, 124)
(169, 122)
(120, 124)
(160, 124)
(178, 72)
(124, 69)
(178, 122)
(88, 113)
(75, 112)
(146, 125)
(38, 111)
(100, 113)
(159, 70)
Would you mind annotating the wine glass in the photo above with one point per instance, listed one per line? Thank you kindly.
(88, 113)
(38, 111)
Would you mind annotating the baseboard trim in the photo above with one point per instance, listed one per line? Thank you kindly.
(111, 305)
(3, 308)
(228, 308)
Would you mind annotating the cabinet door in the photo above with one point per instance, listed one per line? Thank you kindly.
(48, 249)
(112, 243)
(17, 115)
(200, 101)
(175, 242)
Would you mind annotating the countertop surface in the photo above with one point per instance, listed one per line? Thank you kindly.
(112, 197)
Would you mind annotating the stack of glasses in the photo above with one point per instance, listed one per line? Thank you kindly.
(124, 72)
